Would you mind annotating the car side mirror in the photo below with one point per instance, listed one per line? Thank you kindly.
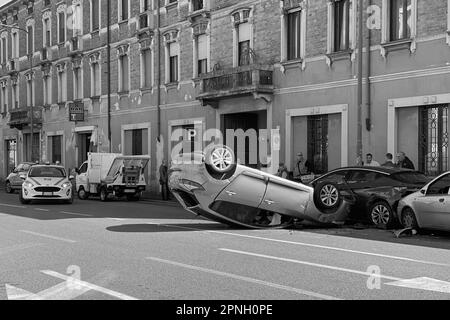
(71, 177)
(23, 176)
(423, 191)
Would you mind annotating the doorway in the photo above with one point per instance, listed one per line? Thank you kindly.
(245, 121)
(85, 145)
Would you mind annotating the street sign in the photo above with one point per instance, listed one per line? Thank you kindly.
(76, 111)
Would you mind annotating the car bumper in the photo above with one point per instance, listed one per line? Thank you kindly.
(32, 194)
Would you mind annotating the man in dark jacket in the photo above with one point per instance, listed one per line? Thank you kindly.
(164, 180)
(388, 162)
(404, 162)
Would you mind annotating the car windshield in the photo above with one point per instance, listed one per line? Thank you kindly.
(49, 172)
(411, 177)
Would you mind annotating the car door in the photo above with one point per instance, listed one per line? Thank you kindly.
(247, 189)
(360, 182)
(282, 196)
(81, 179)
(434, 207)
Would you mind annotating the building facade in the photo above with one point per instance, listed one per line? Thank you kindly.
(225, 64)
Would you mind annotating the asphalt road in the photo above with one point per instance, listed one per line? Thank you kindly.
(141, 250)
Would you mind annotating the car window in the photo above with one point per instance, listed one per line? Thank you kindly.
(411, 177)
(50, 172)
(441, 186)
(357, 176)
(336, 177)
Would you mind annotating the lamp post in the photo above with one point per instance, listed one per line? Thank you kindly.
(30, 57)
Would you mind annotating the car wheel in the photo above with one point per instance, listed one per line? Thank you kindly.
(22, 200)
(380, 214)
(327, 196)
(220, 159)
(408, 218)
(82, 194)
(103, 194)
(70, 201)
(8, 187)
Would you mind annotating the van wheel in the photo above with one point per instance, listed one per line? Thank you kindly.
(82, 194)
(103, 194)
(22, 200)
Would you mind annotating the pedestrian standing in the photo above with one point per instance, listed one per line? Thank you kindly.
(302, 167)
(283, 171)
(370, 162)
(404, 161)
(389, 162)
(164, 180)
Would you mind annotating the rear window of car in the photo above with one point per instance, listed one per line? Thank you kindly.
(411, 177)
(49, 172)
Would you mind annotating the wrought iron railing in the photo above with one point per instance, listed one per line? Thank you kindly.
(250, 76)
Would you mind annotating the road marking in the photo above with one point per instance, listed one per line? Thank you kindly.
(70, 289)
(12, 206)
(39, 209)
(76, 214)
(47, 236)
(18, 247)
(91, 286)
(312, 264)
(312, 245)
(246, 279)
(423, 283)
(117, 219)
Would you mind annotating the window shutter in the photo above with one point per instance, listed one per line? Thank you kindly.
(244, 32)
(202, 47)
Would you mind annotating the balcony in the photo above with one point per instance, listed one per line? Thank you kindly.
(255, 79)
(20, 118)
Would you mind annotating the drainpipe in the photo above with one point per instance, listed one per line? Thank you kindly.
(158, 63)
(359, 146)
(368, 71)
(108, 53)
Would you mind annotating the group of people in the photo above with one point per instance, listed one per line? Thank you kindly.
(303, 167)
(402, 161)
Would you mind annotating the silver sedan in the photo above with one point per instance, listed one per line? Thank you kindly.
(428, 208)
(212, 185)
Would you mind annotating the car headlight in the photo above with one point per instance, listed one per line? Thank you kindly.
(66, 185)
(190, 185)
(28, 184)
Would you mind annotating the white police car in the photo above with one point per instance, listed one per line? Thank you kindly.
(46, 182)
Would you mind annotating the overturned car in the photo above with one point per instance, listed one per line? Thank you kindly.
(212, 185)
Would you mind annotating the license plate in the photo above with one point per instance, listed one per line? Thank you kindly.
(47, 194)
(130, 191)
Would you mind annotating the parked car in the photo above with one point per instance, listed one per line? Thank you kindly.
(428, 208)
(15, 179)
(377, 190)
(212, 185)
(46, 182)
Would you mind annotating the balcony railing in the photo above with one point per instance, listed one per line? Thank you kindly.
(247, 79)
(22, 117)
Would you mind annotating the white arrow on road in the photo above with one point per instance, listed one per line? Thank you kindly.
(70, 289)
(423, 283)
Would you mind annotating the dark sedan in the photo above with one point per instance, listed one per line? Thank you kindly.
(376, 190)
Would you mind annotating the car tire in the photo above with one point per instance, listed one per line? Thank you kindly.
(220, 162)
(408, 219)
(70, 201)
(327, 196)
(381, 214)
(103, 194)
(22, 200)
(82, 194)
(8, 187)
